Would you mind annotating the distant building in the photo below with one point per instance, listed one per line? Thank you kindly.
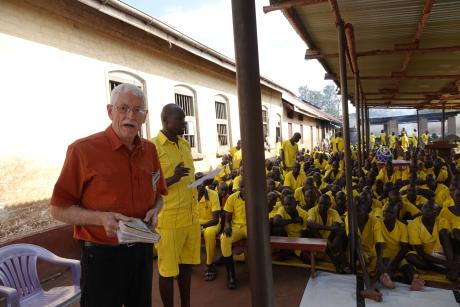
(60, 60)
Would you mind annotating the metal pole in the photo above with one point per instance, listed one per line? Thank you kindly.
(346, 139)
(358, 121)
(443, 124)
(250, 106)
(418, 128)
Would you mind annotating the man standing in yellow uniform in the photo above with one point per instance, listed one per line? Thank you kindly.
(425, 137)
(392, 140)
(383, 138)
(338, 143)
(178, 223)
(404, 141)
(372, 140)
(234, 230)
(209, 212)
(414, 138)
(289, 151)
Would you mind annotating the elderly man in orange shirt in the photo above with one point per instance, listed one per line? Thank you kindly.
(107, 177)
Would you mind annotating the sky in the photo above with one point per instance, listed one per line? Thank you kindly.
(281, 50)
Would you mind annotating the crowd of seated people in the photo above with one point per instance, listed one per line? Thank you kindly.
(408, 219)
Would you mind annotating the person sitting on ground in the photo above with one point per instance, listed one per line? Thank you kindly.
(452, 216)
(295, 178)
(406, 209)
(325, 222)
(341, 202)
(429, 235)
(334, 173)
(273, 206)
(209, 213)
(275, 174)
(234, 230)
(412, 197)
(389, 174)
(236, 180)
(390, 254)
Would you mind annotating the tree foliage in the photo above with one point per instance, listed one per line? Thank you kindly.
(327, 99)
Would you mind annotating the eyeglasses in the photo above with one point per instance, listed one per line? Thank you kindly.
(124, 109)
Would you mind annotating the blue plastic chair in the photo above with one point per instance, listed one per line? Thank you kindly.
(21, 286)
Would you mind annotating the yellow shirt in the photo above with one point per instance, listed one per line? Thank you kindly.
(236, 183)
(274, 211)
(383, 138)
(179, 208)
(414, 139)
(290, 153)
(448, 202)
(224, 172)
(339, 143)
(424, 138)
(321, 166)
(294, 230)
(332, 217)
(371, 234)
(237, 206)
(419, 235)
(372, 140)
(300, 196)
(419, 201)
(392, 140)
(207, 206)
(394, 238)
(237, 156)
(404, 142)
(292, 182)
(385, 178)
(452, 219)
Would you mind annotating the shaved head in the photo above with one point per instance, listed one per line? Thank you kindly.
(169, 110)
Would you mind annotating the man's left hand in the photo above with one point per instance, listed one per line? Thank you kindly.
(151, 216)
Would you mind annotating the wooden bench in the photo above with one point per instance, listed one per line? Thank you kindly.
(309, 245)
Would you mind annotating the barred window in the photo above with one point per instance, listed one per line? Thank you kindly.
(222, 123)
(185, 98)
(265, 122)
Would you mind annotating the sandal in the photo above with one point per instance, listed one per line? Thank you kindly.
(210, 274)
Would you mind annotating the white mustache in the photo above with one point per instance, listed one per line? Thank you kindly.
(129, 122)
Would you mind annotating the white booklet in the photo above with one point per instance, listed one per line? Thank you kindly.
(136, 231)
(209, 175)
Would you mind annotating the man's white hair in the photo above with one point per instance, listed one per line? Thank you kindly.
(126, 87)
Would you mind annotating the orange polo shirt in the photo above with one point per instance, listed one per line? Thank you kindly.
(100, 173)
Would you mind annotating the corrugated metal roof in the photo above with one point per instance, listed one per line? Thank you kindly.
(380, 25)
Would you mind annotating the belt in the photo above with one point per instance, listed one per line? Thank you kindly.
(92, 244)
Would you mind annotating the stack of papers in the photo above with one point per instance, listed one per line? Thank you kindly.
(136, 231)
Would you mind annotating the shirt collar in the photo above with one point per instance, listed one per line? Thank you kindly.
(116, 143)
(163, 138)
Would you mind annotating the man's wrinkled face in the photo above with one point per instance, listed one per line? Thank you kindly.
(127, 124)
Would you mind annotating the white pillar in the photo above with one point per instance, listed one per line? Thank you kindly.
(392, 126)
(451, 125)
(423, 124)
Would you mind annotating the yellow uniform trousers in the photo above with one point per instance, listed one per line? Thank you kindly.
(239, 232)
(209, 235)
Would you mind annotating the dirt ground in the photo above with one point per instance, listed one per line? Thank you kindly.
(23, 219)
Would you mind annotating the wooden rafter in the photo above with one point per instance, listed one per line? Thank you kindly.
(411, 93)
(289, 4)
(395, 77)
(314, 54)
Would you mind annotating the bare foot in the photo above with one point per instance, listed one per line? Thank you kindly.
(372, 294)
(417, 283)
(386, 281)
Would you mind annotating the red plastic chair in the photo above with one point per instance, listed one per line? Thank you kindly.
(21, 286)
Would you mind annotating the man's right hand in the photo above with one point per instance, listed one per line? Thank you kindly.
(181, 171)
(109, 220)
(228, 232)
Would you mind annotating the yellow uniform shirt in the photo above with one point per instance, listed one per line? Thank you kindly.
(224, 172)
(414, 139)
(404, 142)
(419, 235)
(385, 178)
(290, 153)
(292, 182)
(372, 140)
(237, 206)
(383, 138)
(424, 138)
(371, 234)
(207, 206)
(452, 219)
(332, 217)
(300, 196)
(237, 156)
(294, 230)
(419, 201)
(339, 143)
(274, 211)
(236, 183)
(394, 238)
(319, 165)
(392, 140)
(179, 208)
(448, 202)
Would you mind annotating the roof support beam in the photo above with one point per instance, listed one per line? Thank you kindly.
(396, 77)
(410, 93)
(312, 54)
(289, 4)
